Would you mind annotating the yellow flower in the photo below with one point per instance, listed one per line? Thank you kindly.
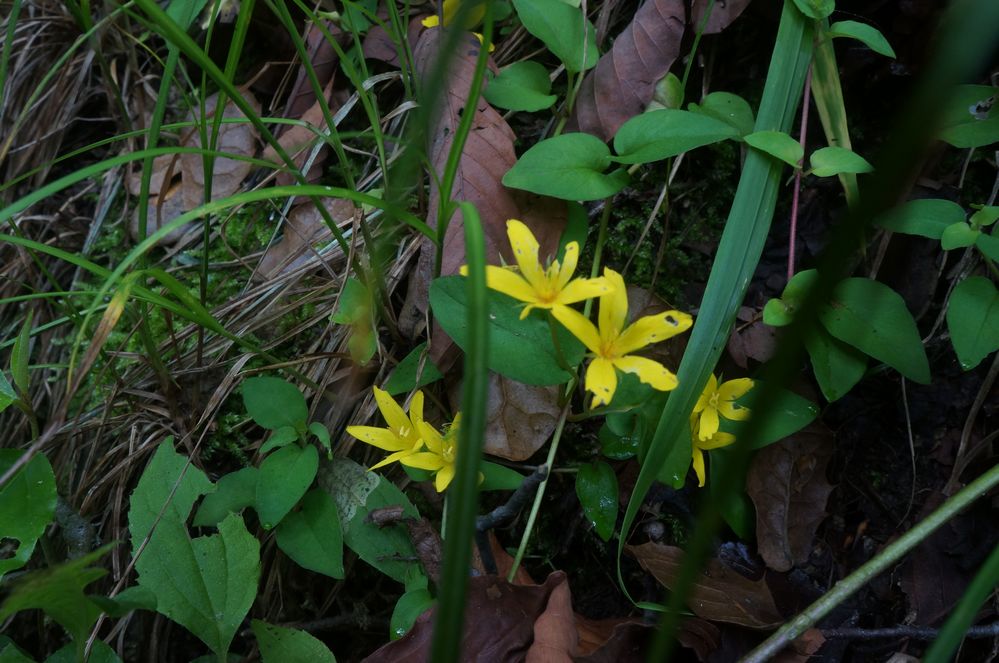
(401, 436)
(720, 400)
(450, 10)
(552, 288)
(612, 343)
(699, 446)
(440, 454)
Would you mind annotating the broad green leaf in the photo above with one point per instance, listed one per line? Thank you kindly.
(288, 645)
(233, 493)
(10, 653)
(274, 403)
(522, 350)
(355, 303)
(414, 371)
(970, 118)
(973, 320)
(184, 12)
(780, 312)
(284, 477)
(499, 477)
(873, 318)
(779, 145)
(870, 36)
(521, 86)
(356, 492)
(410, 605)
(58, 591)
(312, 536)
(984, 216)
(817, 9)
(7, 393)
(829, 161)
(101, 652)
(206, 585)
(989, 245)
(928, 217)
(560, 27)
(131, 598)
(837, 366)
(615, 443)
(282, 437)
(27, 505)
(789, 413)
(958, 235)
(570, 166)
(729, 108)
(596, 488)
(661, 134)
(20, 356)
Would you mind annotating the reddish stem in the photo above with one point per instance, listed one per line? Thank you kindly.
(797, 173)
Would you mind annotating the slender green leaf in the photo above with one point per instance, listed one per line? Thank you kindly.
(661, 134)
(868, 35)
(570, 166)
(499, 477)
(414, 371)
(828, 94)
(559, 26)
(27, 505)
(779, 145)
(274, 403)
(322, 434)
(288, 645)
(928, 217)
(233, 493)
(521, 86)
(596, 488)
(19, 358)
(828, 161)
(973, 320)
(729, 108)
(873, 318)
(312, 536)
(284, 477)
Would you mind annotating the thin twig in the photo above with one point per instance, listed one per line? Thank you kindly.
(915, 632)
(507, 512)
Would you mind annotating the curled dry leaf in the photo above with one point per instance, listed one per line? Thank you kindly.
(519, 418)
(751, 339)
(555, 634)
(719, 594)
(722, 14)
(787, 483)
(623, 82)
(303, 228)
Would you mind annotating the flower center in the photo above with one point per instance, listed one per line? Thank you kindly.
(713, 401)
(448, 452)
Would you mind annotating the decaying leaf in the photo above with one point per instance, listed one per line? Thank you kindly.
(624, 80)
(520, 418)
(787, 483)
(378, 45)
(722, 14)
(719, 594)
(555, 634)
(323, 58)
(751, 339)
(803, 647)
(303, 229)
(298, 141)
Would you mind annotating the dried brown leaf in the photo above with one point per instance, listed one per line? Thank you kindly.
(751, 339)
(803, 647)
(555, 635)
(520, 418)
(722, 14)
(303, 228)
(378, 45)
(324, 60)
(298, 140)
(699, 635)
(787, 483)
(623, 82)
(719, 593)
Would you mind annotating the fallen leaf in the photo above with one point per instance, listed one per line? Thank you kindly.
(303, 228)
(699, 635)
(323, 58)
(519, 418)
(378, 45)
(719, 593)
(787, 483)
(298, 141)
(722, 14)
(803, 647)
(555, 635)
(624, 80)
(752, 340)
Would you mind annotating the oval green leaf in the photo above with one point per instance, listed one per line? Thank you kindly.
(661, 134)
(274, 403)
(559, 26)
(829, 161)
(596, 487)
(837, 366)
(973, 320)
(282, 645)
(958, 236)
(729, 108)
(868, 35)
(284, 477)
(233, 493)
(312, 536)
(928, 217)
(779, 145)
(410, 605)
(570, 166)
(27, 506)
(521, 86)
(817, 9)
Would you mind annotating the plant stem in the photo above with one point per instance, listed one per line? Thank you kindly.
(803, 138)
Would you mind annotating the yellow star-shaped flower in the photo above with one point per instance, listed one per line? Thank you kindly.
(613, 343)
(720, 400)
(551, 288)
(401, 436)
(440, 454)
(699, 446)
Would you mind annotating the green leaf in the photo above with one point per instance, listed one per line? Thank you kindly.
(817, 9)
(618, 444)
(559, 26)
(872, 317)
(519, 349)
(414, 371)
(7, 393)
(288, 645)
(596, 488)
(322, 434)
(99, 653)
(788, 411)
(10, 653)
(312, 536)
(780, 312)
(958, 235)
(233, 493)
(779, 145)
(734, 504)
(570, 166)
(829, 161)
(499, 477)
(870, 36)
(19, 357)
(729, 108)
(284, 477)
(521, 86)
(58, 591)
(206, 585)
(131, 598)
(274, 403)
(577, 227)
(668, 93)
(410, 605)
(356, 492)
(281, 437)
(184, 12)
(970, 119)
(985, 216)
(355, 303)
(27, 505)
(973, 320)
(928, 217)
(837, 366)
(661, 134)
(989, 245)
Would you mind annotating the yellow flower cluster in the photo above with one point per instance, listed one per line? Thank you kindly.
(716, 400)
(412, 441)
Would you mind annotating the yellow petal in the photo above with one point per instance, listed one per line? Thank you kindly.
(444, 477)
(579, 289)
(733, 389)
(569, 261)
(510, 283)
(650, 372)
(424, 461)
(416, 409)
(601, 380)
(431, 437)
(652, 329)
(431, 21)
(697, 460)
(732, 411)
(705, 397)
(525, 251)
(717, 441)
(393, 414)
(382, 438)
(709, 423)
(399, 455)
(613, 306)
(579, 326)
